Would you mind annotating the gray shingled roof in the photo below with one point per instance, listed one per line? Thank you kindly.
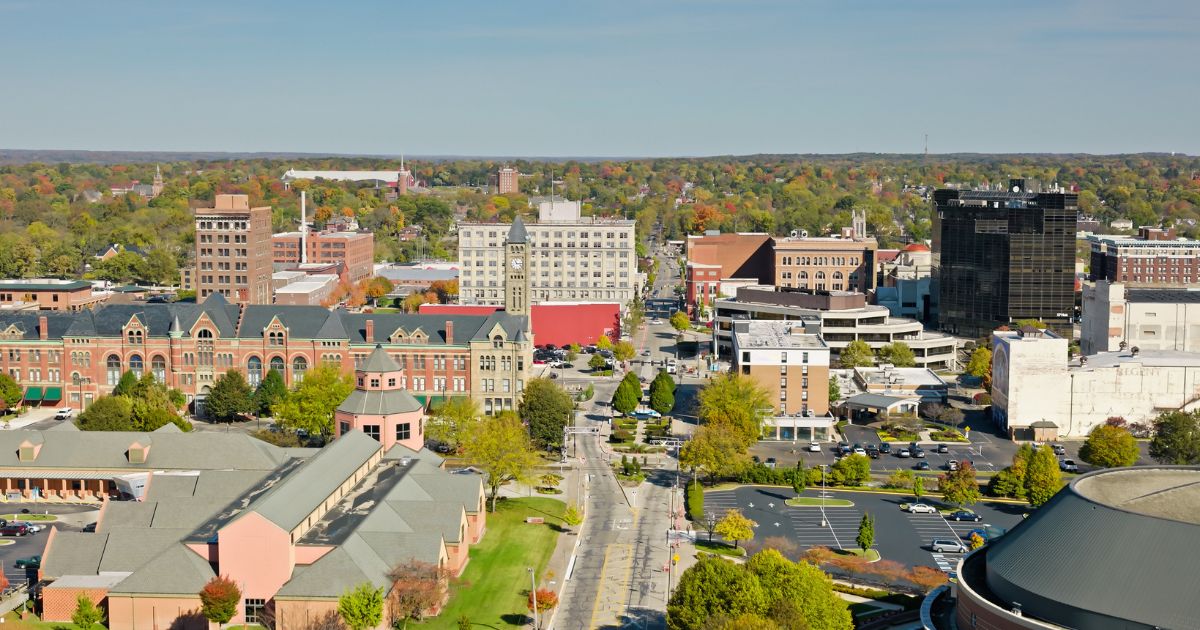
(176, 571)
(517, 233)
(370, 402)
(57, 323)
(74, 553)
(379, 361)
(363, 557)
(106, 450)
(297, 495)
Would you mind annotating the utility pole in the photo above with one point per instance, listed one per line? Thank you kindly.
(533, 594)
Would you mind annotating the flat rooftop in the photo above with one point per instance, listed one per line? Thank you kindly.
(1163, 296)
(900, 376)
(1150, 358)
(43, 284)
(1169, 493)
(778, 335)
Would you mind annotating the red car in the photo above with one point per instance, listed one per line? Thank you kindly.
(14, 530)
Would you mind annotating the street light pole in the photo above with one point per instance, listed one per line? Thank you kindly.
(533, 595)
(823, 521)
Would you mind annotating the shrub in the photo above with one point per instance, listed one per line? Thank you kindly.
(695, 502)
(620, 435)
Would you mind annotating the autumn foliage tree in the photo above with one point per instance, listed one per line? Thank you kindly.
(417, 588)
(219, 599)
(546, 600)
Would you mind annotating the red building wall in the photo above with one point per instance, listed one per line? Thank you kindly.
(554, 323)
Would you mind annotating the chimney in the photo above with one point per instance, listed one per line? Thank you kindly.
(449, 332)
(370, 332)
(304, 232)
(43, 327)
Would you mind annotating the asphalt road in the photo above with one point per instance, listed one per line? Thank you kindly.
(899, 536)
(35, 544)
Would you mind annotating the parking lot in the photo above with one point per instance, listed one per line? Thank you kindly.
(73, 517)
(899, 535)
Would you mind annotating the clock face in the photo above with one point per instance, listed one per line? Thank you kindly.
(517, 263)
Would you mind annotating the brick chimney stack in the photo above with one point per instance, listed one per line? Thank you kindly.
(449, 332)
(43, 327)
(370, 332)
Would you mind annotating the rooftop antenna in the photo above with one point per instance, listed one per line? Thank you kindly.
(926, 145)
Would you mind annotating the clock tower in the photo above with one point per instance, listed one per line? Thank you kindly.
(516, 269)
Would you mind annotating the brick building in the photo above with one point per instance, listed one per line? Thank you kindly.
(187, 346)
(355, 249)
(508, 181)
(1155, 257)
(792, 365)
(714, 259)
(49, 294)
(233, 251)
(826, 263)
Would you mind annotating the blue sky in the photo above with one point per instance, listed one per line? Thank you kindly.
(567, 77)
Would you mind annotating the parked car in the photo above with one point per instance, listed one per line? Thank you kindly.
(919, 452)
(14, 529)
(922, 465)
(946, 545)
(964, 515)
(32, 562)
(771, 463)
(645, 353)
(1068, 465)
(32, 527)
(872, 451)
(903, 453)
(921, 508)
(64, 414)
(885, 448)
(814, 447)
(859, 450)
(942, 448)
(843, 448)
(952, 465)
(90, 527)
(1059, 449)
(754, 459)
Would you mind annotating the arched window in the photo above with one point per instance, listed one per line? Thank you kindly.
(820, 275)
(803, 275)
(113, 368)
(254, 371)
(135, 337)
(275, 338)
(299, 367)
(277, 364)
(204, 347)
(837, 275)
(135, 364)
(158, 367)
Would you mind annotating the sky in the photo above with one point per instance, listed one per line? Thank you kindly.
(616, 78)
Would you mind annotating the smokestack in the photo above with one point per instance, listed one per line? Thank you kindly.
(303, 230)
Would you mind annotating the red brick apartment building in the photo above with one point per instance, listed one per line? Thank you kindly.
(233, 251)
(355, 249)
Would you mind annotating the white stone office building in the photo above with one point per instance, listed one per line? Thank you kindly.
(1038, 394)
(1145, 318)
(571, 257)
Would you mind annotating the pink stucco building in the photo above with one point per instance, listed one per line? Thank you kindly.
(380, 406)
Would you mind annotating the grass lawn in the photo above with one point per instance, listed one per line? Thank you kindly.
(493, 590)
(719, 548)
(12, 621)
(29, 517)
(816, 502)
(872, 555)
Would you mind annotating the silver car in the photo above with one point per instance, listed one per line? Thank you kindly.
(947, 545)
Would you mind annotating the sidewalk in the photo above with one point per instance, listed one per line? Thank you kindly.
(562, 559)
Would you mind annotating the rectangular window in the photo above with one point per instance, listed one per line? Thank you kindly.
(403, 431)
(345, 428)
(255, 609)
(745, 357)
(372, 430)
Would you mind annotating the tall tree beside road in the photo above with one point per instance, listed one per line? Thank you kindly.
(735, 526)
(959, 486)
(1109, 446)
(501, 448)
(866, 533)
(230, 398)
(1176, 438)
(547, 409)
(662, 393)
(918, 487)
(1043, 479)
(603, 342)
(311, 405)
(715, 449)
(898, 354)
(800, 477)
(980, 364)
(597, 361)
(453, 421)
(852, 470)
(1010, 482)
(679, 321)
(624, 351)
(856, 354)
(737, 402)
(628, 393)
(712, 587)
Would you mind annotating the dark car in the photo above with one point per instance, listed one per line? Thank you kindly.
(843, 448)
(922, 465)
(872, 452)
(942, 448)
(771, 463)
(32, 562)
(885, 448)
(14, 530)
(90, 527)
(964, 515)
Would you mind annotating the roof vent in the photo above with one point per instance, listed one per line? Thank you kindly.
(1134, 351)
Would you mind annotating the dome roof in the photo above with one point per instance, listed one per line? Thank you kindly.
(915, 247)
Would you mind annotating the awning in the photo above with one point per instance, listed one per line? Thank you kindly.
(53, 394)
(436, 402)
(421, 399)
(33, 394)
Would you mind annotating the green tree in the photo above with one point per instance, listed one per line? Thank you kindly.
(10, 392)
(546, 408)
(1010, 482)
(597, 362)
(362, 607)
(1176, 438)
(852, 470)
(572, 353)
(800, 477)
(311, 405)
(679, 321)
(980, 364)
(230, 397)
(798, 594)
(835, 391)
(107, 413)
(1108, 446)
(126, 385)
(1043, 478)
(735, 526)
(738, 402)
(624, 351)
(712, 587)
(271, 391)
(159, 267)
(86, 614)
(453, 421)
(898, 354)
(628, 393)
(715, 449)
(866, 532)
(572, 517)
(959, 486)
(856, 354)
(918, 487)
(219, 599)
(501, 448)
(603, 342)
(662, 393)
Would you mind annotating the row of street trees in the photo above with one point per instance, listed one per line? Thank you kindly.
(858, 354)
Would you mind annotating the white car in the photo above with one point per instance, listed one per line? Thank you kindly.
(33, 527)
(64, 413)
(1068, 465)
(813, 447)
(921, 508)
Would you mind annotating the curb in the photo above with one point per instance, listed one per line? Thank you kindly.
(549, 625)
(870, 491)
